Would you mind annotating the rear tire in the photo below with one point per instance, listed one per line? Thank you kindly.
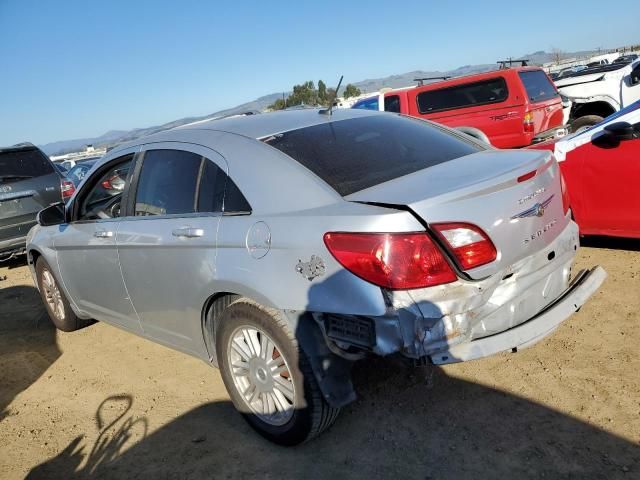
(582, 123)
(270, 384)
(55, 301)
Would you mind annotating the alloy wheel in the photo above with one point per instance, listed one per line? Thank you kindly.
(52, 295)
(261, 375)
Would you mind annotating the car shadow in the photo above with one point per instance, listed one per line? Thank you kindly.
(407, 424)
(27, 342)
(614, 243)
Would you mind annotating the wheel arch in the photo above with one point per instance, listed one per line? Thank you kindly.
(475, 133)
(601, 108)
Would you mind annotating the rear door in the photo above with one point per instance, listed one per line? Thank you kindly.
(167, 246)
(28, 183)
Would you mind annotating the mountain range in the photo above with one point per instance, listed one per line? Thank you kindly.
(113, 137)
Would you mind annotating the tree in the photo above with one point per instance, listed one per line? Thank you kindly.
(322, 93)
(279, 104)
(351, 91)
(556, 55)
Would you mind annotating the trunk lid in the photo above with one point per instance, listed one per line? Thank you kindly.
(521, 218)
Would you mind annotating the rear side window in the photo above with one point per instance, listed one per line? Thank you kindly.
(19, 165)
(167, 184)
(538, 86)
(219, 193)
(392, 103)
(351, 155)
(468, 95)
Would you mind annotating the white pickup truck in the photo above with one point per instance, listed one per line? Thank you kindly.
(597, 92)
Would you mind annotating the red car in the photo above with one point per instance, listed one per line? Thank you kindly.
(513, 107)
(601, 167)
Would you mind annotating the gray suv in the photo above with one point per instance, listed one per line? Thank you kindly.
(28, 183)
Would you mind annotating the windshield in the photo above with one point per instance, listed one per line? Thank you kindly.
(18, 165)
(351, 155)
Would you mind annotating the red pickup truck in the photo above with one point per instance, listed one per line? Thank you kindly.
(512, 107)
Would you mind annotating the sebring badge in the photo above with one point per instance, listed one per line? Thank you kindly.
(536, 211)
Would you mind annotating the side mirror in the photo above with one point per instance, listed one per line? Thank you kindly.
(620, 131)
(52, 215)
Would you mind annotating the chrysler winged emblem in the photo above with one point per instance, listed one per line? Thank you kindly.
(536, 211)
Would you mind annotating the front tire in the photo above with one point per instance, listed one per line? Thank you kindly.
(268, 375)
(582, 123)
(55, 301)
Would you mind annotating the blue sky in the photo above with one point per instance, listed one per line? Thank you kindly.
(74, 69)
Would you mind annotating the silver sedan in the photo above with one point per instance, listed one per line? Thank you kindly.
(283, 247)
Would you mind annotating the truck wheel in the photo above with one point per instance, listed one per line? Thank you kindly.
(55, 301)
(582, 123)
(268, 375)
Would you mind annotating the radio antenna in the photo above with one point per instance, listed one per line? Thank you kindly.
(329, 111)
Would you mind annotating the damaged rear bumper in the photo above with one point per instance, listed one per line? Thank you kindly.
(585, 284)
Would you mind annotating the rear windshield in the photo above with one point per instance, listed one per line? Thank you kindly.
(22, 164)
(538, 85)
(351, 155)
(473, 94)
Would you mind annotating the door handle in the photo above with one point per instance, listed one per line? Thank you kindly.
(103, 234)
(188, 232)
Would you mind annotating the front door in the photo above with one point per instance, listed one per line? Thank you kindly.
(86, 247)
(610, 188)
(631, 87)
(167, 247)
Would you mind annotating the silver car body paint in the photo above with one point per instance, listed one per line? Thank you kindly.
(149, 281)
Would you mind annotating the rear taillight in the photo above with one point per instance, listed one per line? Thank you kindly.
(527, 122)
(566, 203)
(468, 243)
(397, 261)
(67, 188)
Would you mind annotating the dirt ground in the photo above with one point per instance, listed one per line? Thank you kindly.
(102, 403)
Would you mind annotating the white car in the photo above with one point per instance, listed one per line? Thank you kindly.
(597, 92)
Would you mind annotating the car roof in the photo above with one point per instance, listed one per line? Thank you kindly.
(250, 126)
(266, 124)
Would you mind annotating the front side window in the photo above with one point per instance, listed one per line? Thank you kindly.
(461, 96)
(538, 86)
(77, 173)
(104, 195)
(168, 183)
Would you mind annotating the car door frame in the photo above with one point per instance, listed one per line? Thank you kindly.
(71, 215)
(198, 347)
